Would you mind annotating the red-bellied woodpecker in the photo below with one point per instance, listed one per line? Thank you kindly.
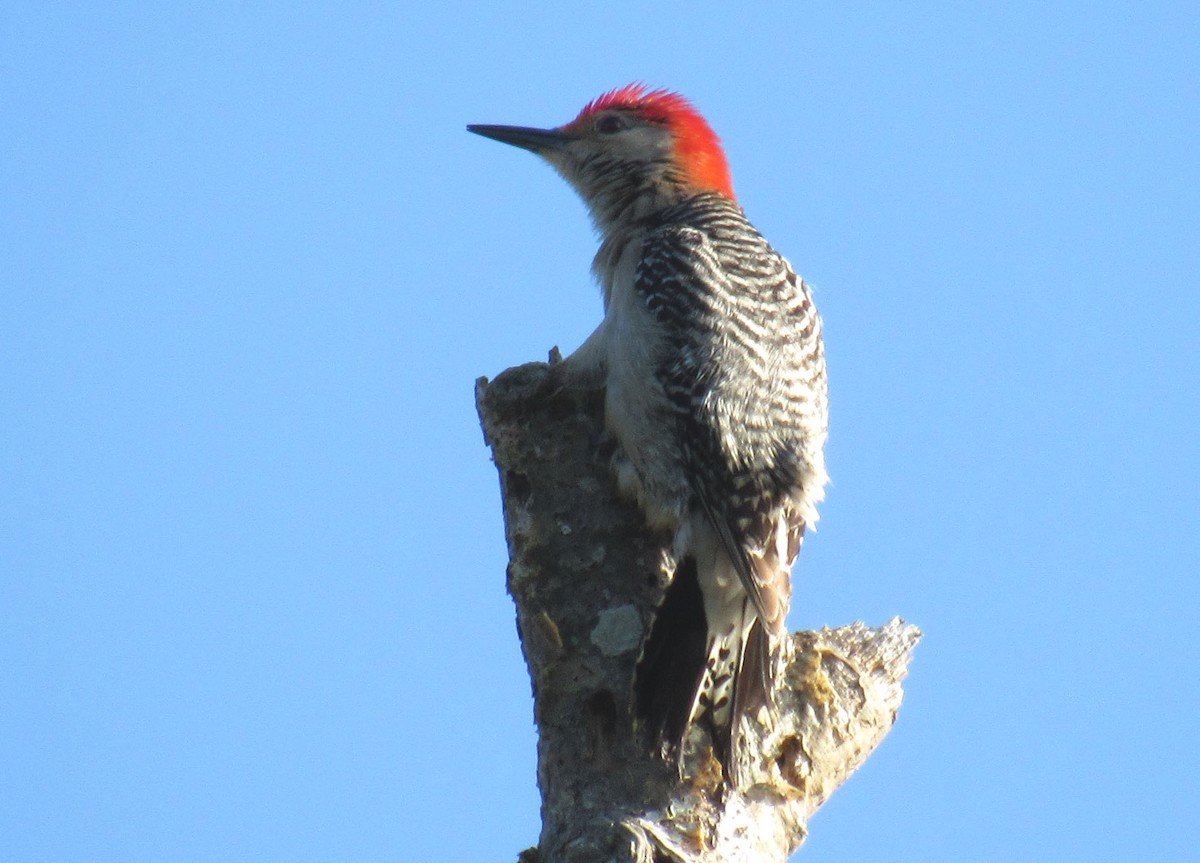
(714, 369)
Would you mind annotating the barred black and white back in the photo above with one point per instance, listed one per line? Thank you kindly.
(741, 370)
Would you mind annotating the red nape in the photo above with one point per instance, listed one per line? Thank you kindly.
(697, 147)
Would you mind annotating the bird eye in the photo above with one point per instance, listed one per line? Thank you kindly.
(609, 124)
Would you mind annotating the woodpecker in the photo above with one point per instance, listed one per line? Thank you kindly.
(713, 365)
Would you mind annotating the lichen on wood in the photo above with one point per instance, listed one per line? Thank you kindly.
(586, 575)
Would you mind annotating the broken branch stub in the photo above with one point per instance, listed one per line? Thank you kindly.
(586, 576)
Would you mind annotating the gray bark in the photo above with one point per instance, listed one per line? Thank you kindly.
(586, 576)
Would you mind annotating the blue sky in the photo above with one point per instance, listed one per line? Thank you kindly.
(251, 561)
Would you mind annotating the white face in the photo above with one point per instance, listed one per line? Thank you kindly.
(603, 152)
(625, 134)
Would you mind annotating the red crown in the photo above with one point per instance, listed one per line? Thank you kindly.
(697, 148)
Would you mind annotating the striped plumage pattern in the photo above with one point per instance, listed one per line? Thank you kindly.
(745, 369)
(711, 355)
(742, 366)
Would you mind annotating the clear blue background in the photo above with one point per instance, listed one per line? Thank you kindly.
(251, 558)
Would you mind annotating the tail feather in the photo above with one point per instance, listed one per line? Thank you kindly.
(690, 673)
(710, 656)
(671, 670)
(753, 686)
(736, 684)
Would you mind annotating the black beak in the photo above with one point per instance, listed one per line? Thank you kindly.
(534, 140)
